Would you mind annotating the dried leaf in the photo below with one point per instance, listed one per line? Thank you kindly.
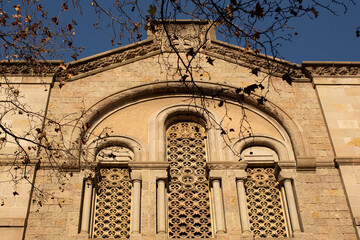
(184, 77)
(316, 13)
(55, 20)
(152, 11)
(210, 60)
(255, 71)
(191, 52)
(286, 77)
(64, 7)
(250, 88)
(259, 11)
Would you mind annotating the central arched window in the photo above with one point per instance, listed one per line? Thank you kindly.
(189, 201)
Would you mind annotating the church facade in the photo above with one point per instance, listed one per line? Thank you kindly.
(236, 145)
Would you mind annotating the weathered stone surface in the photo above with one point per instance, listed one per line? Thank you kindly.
(130, 92)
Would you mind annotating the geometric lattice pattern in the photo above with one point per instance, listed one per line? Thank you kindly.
(189, 204)
(113, 204)
(266, 212)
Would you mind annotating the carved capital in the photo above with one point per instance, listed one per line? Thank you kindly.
(136, 175)
(286, 174)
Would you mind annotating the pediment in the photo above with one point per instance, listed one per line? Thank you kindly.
(186, 33)
(150, 48)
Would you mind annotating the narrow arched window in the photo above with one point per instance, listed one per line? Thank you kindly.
(189, 201)
(112, 198)
(265, 203)
(112, 204)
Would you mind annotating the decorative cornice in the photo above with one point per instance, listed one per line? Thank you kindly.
(340, 161)
(147, 48)
(315, 69)
(249, 59)
(109, 59)
(43, 68)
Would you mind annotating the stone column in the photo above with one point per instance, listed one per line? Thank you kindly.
(135, 221)
(86, 210)
(219, 207)
(291, 205)
(244, 216)
(161, 206)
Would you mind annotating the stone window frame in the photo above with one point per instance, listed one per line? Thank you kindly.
(158, 124)
(285, 166)
(88, 193)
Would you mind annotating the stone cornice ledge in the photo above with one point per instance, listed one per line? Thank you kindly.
(226, 165)
(341, 161)
(24, 68)
(149, 165)
(267, 64)
(331, 69)
(108, 60)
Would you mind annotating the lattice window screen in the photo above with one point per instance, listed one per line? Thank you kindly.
(113, 204)
(265, 207)
(189, 204)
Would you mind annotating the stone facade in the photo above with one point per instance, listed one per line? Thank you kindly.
(117, 107)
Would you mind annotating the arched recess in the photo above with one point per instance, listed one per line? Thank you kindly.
(282, 149)
(107, 105)
(183, 112)
(94, 146)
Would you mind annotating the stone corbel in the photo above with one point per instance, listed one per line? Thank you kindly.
(306, 163)
(286, 174)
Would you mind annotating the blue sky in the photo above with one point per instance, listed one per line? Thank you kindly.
(327, 38)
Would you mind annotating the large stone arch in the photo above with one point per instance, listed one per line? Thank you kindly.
(120, 99)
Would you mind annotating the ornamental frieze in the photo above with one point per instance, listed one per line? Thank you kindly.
(31, 68)
(333, 69)
(117, 57)
(251, 60)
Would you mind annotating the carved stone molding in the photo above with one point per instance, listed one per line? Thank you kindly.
(108, 59)
(183, 34)
(226, 165)
(149, 165)
(251, 60)
(149, 47)
(352, 161)
(332, 68)
(29, 68)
